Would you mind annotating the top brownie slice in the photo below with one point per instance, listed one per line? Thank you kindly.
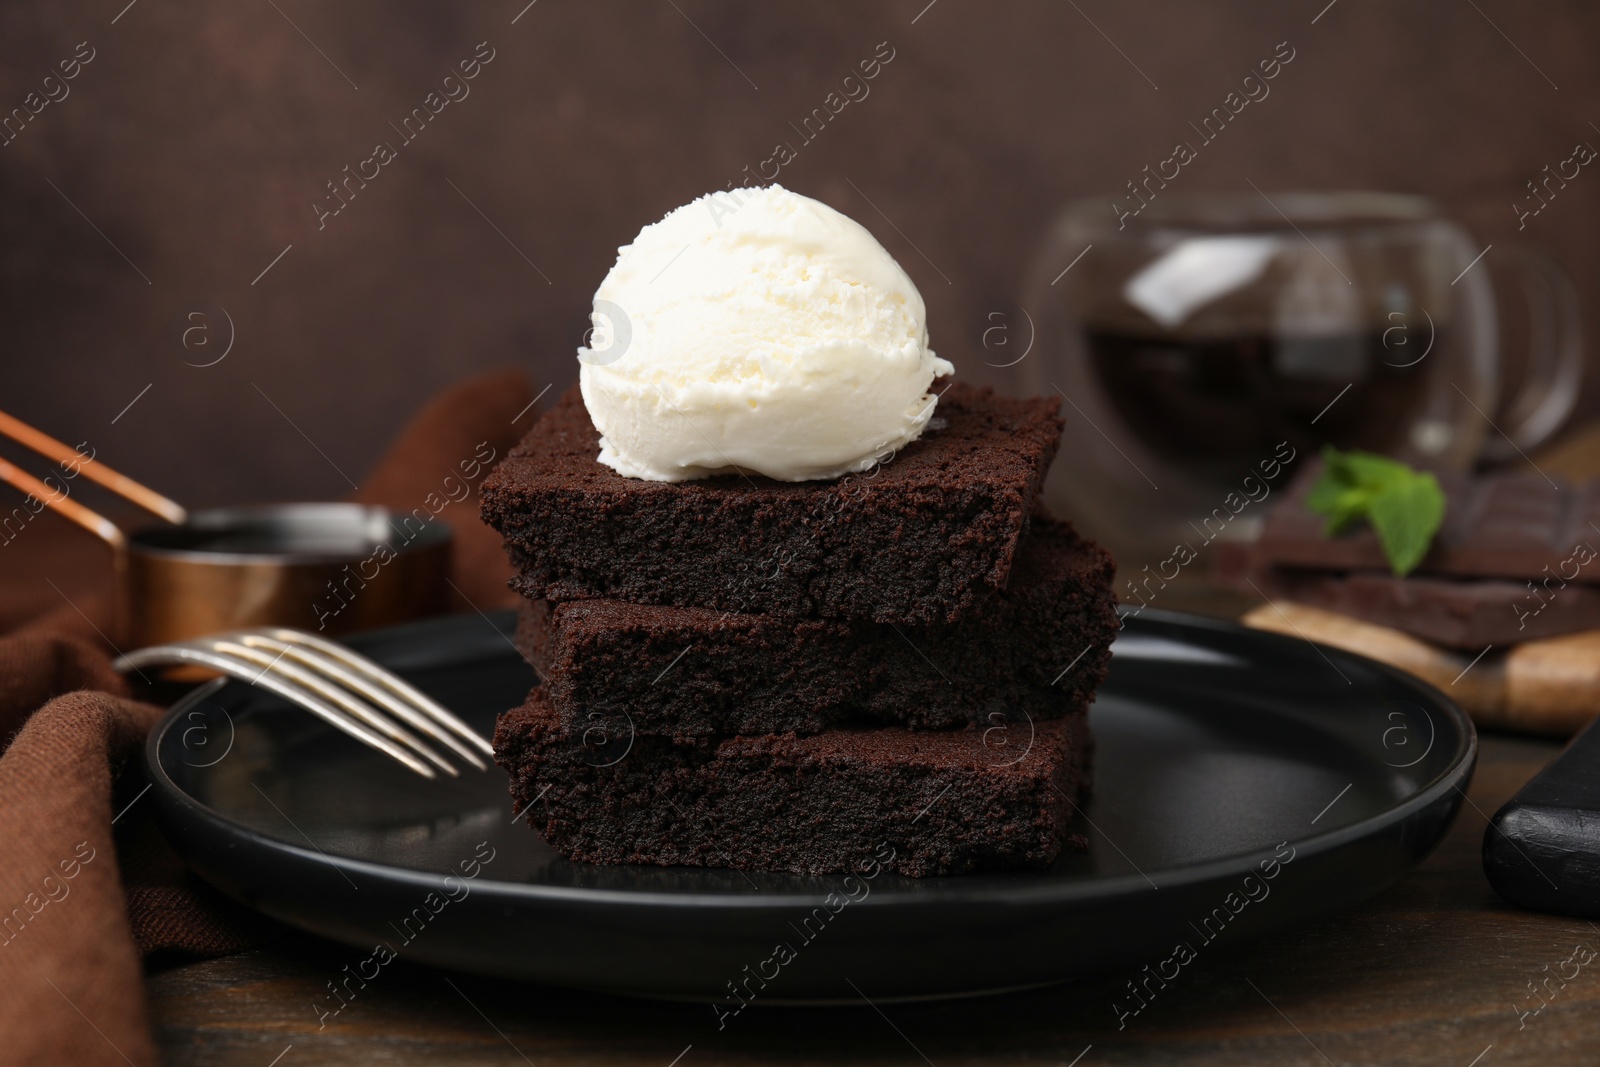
(920, 539)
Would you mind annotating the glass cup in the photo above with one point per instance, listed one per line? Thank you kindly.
(1210, 338)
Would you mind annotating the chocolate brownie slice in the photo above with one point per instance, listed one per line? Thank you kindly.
(917, 803)
(919, 539)
(1043, 642)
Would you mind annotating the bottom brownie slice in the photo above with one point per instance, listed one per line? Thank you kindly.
(920, 803)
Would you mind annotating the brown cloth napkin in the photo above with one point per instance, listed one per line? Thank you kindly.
(82, 902)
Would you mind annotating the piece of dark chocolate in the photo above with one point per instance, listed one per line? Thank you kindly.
(1463, 613)
(1500, 525)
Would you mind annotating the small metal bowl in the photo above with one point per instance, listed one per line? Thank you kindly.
(327, 568)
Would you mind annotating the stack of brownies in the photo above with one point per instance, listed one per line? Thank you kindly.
(790, 676)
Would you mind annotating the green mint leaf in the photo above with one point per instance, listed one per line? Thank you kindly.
(1345, 509)
(1339, 493)
(1372, 471)
(1404, 507)
(1330, 489)
(1406, 515)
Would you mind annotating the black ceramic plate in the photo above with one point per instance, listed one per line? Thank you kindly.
(1244, 782)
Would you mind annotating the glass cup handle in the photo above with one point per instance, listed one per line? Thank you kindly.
(1555, 367)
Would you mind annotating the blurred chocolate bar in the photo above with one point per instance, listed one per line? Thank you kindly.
(1495, 526)
(1457, 613)
(1517, 559)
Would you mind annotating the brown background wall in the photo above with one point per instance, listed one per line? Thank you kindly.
(200, 135)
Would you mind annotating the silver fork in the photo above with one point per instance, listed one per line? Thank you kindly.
(344, 689)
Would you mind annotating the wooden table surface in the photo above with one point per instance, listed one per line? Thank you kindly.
(1435, 970)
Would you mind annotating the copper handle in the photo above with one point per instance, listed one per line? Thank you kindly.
(96, 524)
(120, 484)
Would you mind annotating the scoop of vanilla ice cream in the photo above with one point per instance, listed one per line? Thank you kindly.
(758, 330)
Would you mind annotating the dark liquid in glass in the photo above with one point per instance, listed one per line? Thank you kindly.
(1217, 406)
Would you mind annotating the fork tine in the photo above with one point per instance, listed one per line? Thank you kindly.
(331, 693)
(317, 660)
(163, 655)
(367, 669)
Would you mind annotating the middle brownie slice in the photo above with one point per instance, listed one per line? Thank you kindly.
(1042, 643)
